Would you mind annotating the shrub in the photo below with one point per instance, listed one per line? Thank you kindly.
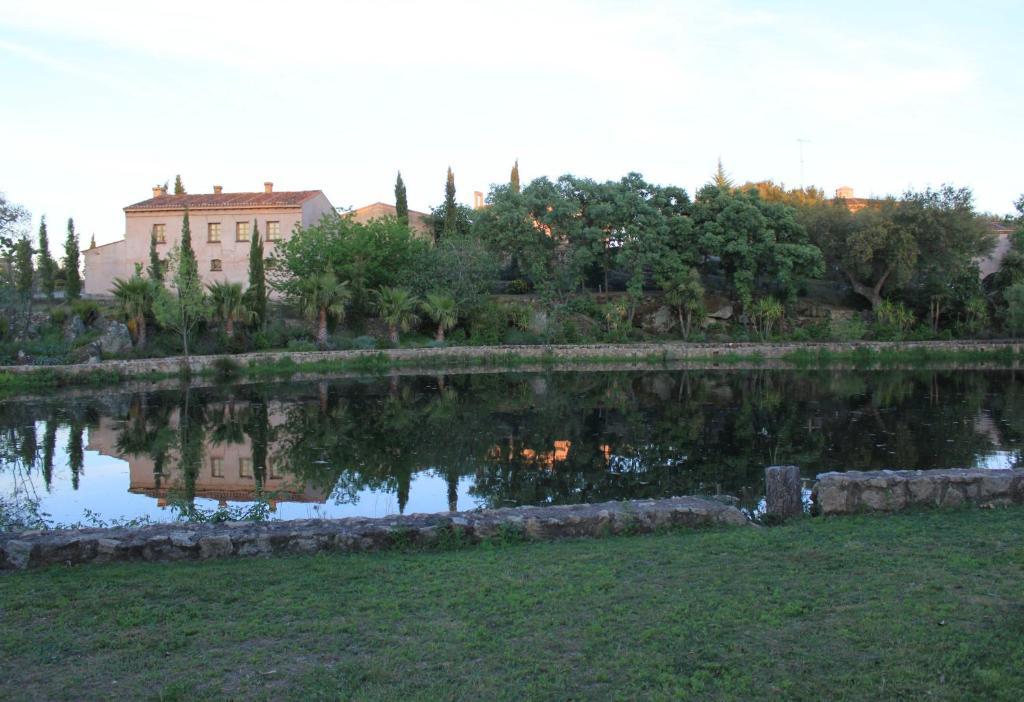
(765, 314)
(88, 310)
(301, 345)
(852, 329)
(893, 320)
(1014, 296)
(226, 368)
(364, 343)
(518, 287)
(59, 315)
(487, 324)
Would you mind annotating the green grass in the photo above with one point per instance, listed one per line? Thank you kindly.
(927, 605)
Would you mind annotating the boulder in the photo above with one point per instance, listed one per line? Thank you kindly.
(116, 339)
(660, 321)
(723, 312)
(73, 328)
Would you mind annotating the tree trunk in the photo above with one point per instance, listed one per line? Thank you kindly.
(140, 331)
(321, 329)
(440, 332)
(393, 333)
(229, 327)
(873, 293)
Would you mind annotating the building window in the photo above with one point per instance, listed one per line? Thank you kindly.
(272, 469)
(244, 467)
(160, 233)
(217, 467)
(213, 232)
(241, 231)
(215, 265)
(273, 231)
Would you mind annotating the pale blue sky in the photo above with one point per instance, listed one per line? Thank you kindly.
(102, 100)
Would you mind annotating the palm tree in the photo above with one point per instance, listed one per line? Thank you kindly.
(397, 307)
(135, 297)
(228, 303)
(320, 295)
(441, 308)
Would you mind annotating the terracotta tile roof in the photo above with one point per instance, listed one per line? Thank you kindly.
(207, 201)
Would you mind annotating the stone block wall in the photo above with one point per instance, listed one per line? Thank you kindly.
(893, 490)
(171, 542)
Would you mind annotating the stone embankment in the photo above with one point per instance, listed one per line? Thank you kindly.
(456, 355)
(894, 490)
(171, 542)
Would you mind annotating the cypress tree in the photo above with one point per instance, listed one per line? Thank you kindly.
(73, 286)
(721, 179)
(179, 187)
(515, 177)
(46, 265)
(401, 203)
(23, 272)
(450, 208)
(257, 278)
(156, 271)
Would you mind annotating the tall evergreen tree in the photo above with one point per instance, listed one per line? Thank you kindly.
(257, 292)
(179, 187)
(401, 203)
(23, 272)
(73, 284)
(514, 180)
(156, 266)
(450, 208)
(184, 307)
(46, 266)
(721, 179)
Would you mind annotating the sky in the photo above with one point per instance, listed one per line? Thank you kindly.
(103, 100)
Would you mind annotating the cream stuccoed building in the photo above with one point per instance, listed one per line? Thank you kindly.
(221, 223)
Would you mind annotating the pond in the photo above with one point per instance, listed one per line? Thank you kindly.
(380, 446)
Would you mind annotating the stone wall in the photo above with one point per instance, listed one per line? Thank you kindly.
(170, 542)
(433, 357)
(893, 490)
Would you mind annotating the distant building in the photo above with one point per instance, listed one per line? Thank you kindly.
(994, 261)
(853, 204)
(419, 222)
(221, 226)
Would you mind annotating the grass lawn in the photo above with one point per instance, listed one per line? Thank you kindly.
(919, 606)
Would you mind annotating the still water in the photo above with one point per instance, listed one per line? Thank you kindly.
(373, 447)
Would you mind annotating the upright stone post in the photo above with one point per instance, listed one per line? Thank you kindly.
(782, 492)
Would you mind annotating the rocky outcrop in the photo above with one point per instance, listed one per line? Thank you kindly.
(115, 339)
(171, 542)
(893, 490)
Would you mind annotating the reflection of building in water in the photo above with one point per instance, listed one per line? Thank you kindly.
(544, 459)
(226, 472)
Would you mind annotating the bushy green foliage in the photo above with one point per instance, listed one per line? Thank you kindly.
(765, 315)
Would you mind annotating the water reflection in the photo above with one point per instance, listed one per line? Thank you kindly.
(448, 442)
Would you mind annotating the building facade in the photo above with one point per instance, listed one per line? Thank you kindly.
(221, 224)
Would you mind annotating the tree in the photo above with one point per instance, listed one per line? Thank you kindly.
(440, 307)
(721, 179)
(753, 240)
(397, 307)
(179, 188)
(685, 294)
(228, 303)
(321, 295)
(461, 266)
(47, 267)
(183, 306)
(73, 279)
(257, 292)
(135, 297)
(514, 178)
(450, 207)
(13, 218)
(23, 270)
(156, 266)
(401, 203)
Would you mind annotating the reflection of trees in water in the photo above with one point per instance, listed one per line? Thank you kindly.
(550, 437)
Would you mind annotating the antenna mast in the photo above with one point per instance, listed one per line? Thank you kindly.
(801, 143)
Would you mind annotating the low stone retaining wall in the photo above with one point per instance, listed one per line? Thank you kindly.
(170, 542)
(668, 351)
(893, 490)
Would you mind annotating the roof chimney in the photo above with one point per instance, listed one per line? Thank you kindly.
(159, 191)
(218, 189)
(268, 187)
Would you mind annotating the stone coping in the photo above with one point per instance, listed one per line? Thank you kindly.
(893, 490)
(182, 541)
